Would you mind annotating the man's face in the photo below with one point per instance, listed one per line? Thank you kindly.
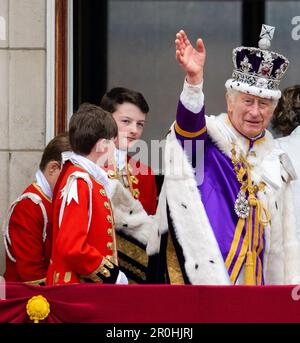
(249, 114)
(130, 120)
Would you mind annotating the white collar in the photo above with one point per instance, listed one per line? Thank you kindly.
(120, 156)
(92, 168)
(296, 131)
(43, 183)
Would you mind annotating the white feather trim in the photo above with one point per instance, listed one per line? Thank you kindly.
(192, 228)
(129, 214)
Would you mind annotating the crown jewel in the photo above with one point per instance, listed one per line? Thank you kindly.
(258, 71)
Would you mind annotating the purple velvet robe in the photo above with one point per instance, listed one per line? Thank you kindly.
(219, 187)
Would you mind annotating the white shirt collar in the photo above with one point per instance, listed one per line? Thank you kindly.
(92, 168)
(120, 156)
(43, 183)
(296, 131)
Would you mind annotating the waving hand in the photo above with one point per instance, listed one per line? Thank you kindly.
(191, 59)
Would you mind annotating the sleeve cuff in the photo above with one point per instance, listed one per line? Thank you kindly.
(103, 269)
(188, 134)
(39, 282)
(192, 97)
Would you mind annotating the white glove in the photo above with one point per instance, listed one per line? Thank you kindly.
(122, 279)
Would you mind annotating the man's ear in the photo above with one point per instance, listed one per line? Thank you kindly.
(52, 167)
(100, 145)
(229, 101)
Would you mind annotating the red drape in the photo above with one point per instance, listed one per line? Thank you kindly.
(155, 303)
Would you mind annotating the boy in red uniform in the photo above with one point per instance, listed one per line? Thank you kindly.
(84, 242)
(27, 234)
(129, 109)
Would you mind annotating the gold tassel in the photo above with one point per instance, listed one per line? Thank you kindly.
(249, 273)
(249, 276)
(262, 218)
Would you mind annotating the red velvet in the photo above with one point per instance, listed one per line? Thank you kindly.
(155, 304)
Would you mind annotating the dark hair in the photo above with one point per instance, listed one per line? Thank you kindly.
(119, 95)
(54, 148)
(287, 112)
(89, 124)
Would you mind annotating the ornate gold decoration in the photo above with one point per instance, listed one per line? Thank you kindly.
(132, 268)
(56, 277)
(110, 258)
(244, 208)
(37, 308)
(243, 174)
(102, 269)
(132, 250)
(189, 134)
(67, 277)
(136, 193)
(174, 270)
(134, 179)
(36, 282)
(113, 174)
(102, 192)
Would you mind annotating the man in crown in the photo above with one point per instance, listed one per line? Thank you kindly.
(230, 219)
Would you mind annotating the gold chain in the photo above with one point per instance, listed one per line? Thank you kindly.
(241, 171)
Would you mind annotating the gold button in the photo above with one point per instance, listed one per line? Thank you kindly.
(134, 179)
(56, 277)
(67, 277)
(109, 231)
(136, 193)
(109, 264)
(109, 257)
(109, 218)
(102, 192)
(105, 272)
(109, 245)
(111, 173)
(106, 205)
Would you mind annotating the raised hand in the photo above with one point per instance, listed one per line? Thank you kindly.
(190, 59)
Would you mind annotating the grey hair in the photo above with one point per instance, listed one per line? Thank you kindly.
(233, 93)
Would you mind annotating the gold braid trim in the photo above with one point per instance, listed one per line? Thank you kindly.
(103, 269)
(173, 265)
(132, 268)
(36, 282)
(262, 218)
(189, 134)
(132, 250)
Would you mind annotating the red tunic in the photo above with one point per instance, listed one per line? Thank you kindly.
(27, 246)
(79, 246)
(140, 180)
